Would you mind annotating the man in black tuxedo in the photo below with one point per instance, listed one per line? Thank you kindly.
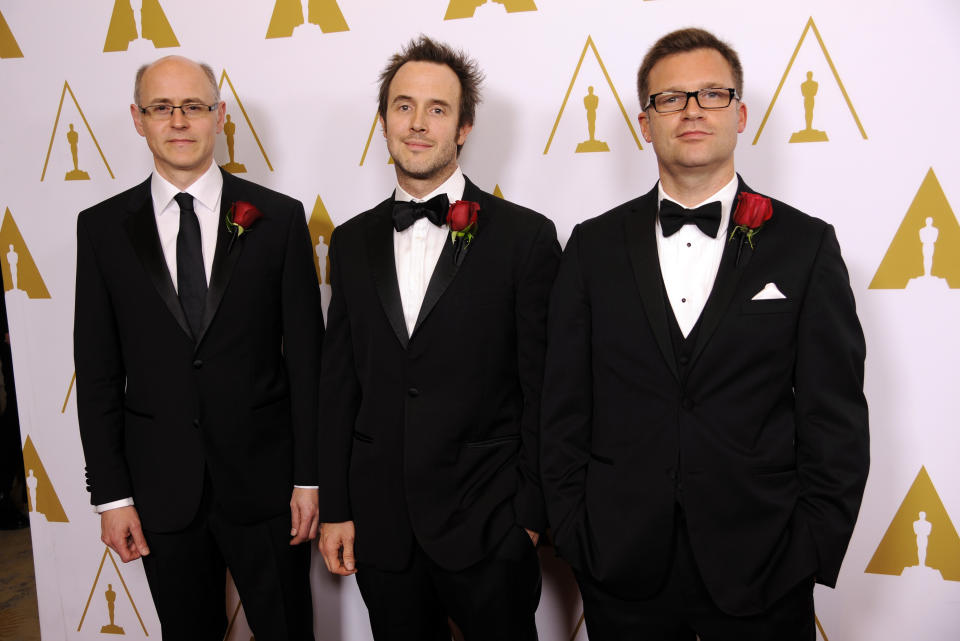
(197, 348)
(432, 367)
(704, 442)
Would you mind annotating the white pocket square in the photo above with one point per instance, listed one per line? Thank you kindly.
(769, 292)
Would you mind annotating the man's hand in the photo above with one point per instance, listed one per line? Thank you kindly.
(336, 545)
(534, 536)
(304, 510)
(120, 529)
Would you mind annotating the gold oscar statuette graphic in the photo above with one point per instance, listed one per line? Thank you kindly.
(590, 103)
(111, 628)
(73, 139)
(20, 274)
(288, 15)
(230, 131)
(41, 496)
(808, 89)
(76, 173)
(110, 595)
(808, 134)
(154, 26)
(466, 8)
(8, 44)
(925, 252)
(921, 540)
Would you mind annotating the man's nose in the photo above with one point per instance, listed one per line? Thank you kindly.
(419, 120)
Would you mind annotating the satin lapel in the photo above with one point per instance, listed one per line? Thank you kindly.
(728, 275)
(141, 228)
(383, 267)
(640, 234)
(223, 261)
(446, 267)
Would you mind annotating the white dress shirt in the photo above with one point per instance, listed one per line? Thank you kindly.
(689, 259)
(417, 248)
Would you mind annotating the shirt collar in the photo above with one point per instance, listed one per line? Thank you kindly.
(206, 189)
(725, 195)
(453, 187)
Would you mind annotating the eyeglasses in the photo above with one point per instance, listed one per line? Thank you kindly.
(667, 102)
(191, 110)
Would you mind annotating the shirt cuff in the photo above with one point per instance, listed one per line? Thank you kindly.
(307, 487)
(112, 505)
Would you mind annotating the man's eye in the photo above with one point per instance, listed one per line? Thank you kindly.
(669, 99)
(438, 110)
(195, 108)
(160, 109)
(711, 94)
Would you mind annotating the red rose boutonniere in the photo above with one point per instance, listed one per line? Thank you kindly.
(462, 220)
(752, 211)
(240, 218)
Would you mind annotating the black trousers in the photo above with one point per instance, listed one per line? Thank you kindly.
(683, 610)
(495, 599)
(186, 571)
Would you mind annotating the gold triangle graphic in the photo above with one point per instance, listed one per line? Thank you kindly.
(466, 8)
(497, 192)
(41, 495)
(56, 123)
(107, 554)
(590, 45)
(20, 272)
(73, 379)
(921, 527)
(263, 152)
(321, 227)
(8, 44)
(366, 147)
(154, 26)
(853, 112)
(905, 264)
(288, 15)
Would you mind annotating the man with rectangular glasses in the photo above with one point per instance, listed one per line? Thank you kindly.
(197, 344)
(704, 441)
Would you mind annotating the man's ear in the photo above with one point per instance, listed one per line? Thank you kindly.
(137, 119)
(644, 121)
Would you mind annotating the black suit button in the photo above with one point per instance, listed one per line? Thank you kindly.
(197, 364)
(684, 359)
(413, 392)
(686, 403)
(196, 422)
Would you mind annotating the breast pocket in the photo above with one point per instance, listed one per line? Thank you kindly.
(776, 306)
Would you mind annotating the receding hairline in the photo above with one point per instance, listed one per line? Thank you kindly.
(206, 69)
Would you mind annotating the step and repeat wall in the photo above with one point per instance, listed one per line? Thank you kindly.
(851, 118)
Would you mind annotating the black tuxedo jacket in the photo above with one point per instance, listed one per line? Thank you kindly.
(433, 436)
(764, 441)
(156, 407)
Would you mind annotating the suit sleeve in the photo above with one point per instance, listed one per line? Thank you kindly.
(101, 378)
(833, 446)
(567, 405)
(339, 398)
(533, 293)
(302, 336)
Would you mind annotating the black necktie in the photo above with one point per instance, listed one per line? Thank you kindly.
(674, 216)
(191, 279)
(407, 213)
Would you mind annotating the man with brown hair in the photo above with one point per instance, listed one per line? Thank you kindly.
(431, 378)
(704, 441)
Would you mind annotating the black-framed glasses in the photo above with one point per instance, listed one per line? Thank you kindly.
(188, 109)
(667, 102)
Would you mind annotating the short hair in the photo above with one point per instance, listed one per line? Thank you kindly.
(681, 41)
(424, 49)
(207, 71)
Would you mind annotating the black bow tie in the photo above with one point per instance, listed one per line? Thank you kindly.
(407, 213)
(674, 216)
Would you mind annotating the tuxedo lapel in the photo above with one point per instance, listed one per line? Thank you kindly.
(383, 268)
(725, 284)
(641, 229)
(141, 228)
(447, 267)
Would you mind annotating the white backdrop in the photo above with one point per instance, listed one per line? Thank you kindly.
(304, 105)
